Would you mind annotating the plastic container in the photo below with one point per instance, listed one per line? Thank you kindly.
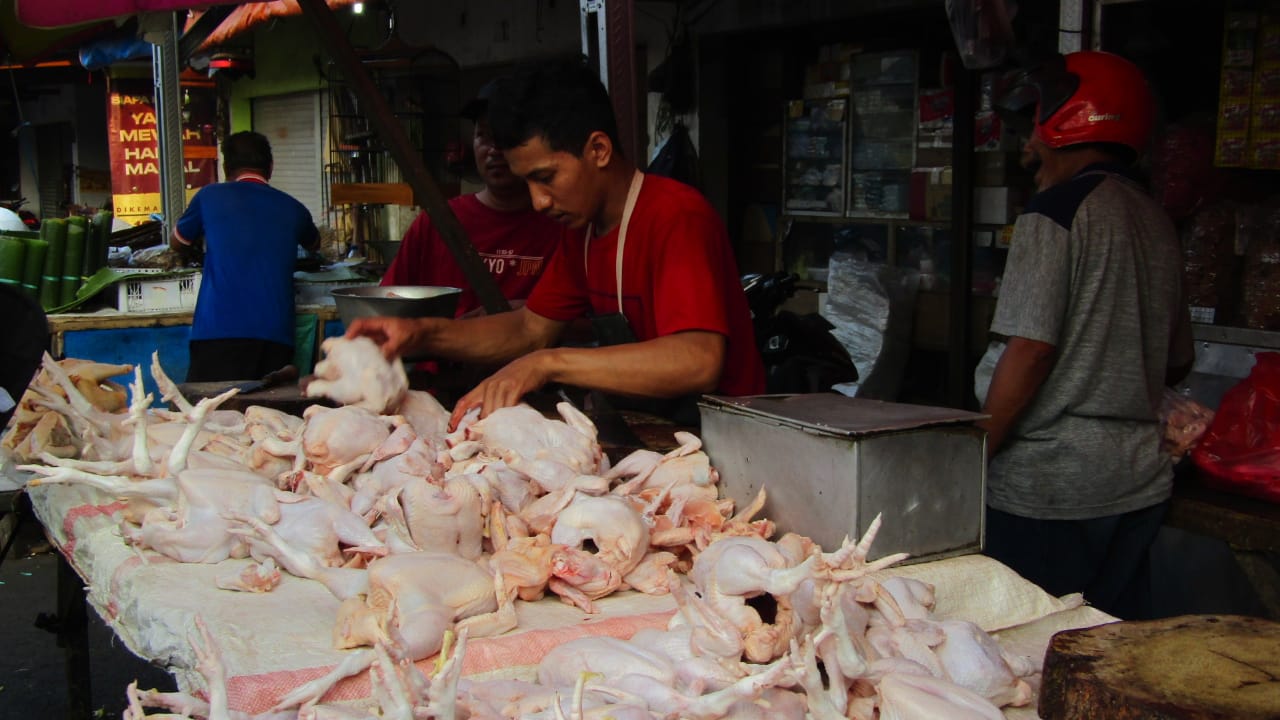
(171, 293)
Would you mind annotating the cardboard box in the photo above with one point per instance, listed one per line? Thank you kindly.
(997, 205)
(930, 194)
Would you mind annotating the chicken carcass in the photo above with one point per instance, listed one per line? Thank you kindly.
(428, 417)
(973, 659)
(322, 529)
(649, 676)
(342, 439)
(613, 526)
(410, 605)
(922, 697)
(420, 461)
(732, 571)
(354, 372)
(198, 529)
(521, 435)
(447, 516)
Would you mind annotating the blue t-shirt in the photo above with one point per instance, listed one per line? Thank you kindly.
(251, 234)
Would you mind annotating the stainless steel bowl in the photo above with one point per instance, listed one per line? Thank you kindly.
(396, 301)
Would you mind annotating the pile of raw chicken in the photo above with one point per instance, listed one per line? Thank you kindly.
(430, 537)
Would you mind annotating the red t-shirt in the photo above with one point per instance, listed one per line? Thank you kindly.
(515, 246)
(678, 274)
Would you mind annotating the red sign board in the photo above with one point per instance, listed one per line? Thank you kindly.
(133, 143)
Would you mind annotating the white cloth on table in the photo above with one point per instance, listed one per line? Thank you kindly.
(273, 642)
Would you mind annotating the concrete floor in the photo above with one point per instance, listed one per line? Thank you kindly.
(33, 682)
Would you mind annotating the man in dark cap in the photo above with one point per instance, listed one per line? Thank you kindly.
(512, 239)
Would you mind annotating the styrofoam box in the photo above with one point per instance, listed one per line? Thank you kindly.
(167, 294)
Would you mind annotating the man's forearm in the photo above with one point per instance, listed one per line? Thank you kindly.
(488, 339)
(1022, 369)
(669, 366)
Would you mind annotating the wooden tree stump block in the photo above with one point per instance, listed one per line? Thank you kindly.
(1195, 667)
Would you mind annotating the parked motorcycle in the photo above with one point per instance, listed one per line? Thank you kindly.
(28, 218)
(800, 354)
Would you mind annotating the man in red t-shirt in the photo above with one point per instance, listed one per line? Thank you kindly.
(679, 317)
(512, 239)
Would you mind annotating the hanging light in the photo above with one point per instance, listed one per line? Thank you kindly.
(357, 8)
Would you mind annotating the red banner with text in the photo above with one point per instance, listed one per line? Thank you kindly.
(133, 143)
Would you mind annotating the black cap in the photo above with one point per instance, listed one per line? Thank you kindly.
(476, 106)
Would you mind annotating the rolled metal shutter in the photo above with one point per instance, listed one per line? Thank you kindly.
(292, 124)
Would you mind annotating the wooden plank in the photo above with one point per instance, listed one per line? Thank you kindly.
(371, 193)
(1196, 667)
(67, 322)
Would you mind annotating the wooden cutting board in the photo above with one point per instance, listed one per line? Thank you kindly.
(1195, 667)
(285, 398)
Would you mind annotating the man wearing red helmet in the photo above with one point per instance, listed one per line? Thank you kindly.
(1095, 324)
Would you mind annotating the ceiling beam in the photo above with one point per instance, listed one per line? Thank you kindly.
(201, 29)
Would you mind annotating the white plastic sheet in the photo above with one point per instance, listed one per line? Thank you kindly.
(872, 307)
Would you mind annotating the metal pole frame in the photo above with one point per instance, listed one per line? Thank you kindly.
(163, 32)
(613, 22)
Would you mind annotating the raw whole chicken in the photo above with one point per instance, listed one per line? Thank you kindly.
(408, 606)
(649, 677)
(428, 417)
(35, 428)
(354, 372)
(420, 461)
(445, 516)
(612, 525)
(922, 697)
(520, 434)
(972, 659)
(342, 437)
(323, 530)
(197, 528)
(731, 571)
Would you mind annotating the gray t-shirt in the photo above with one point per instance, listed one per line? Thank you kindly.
(1095, 270)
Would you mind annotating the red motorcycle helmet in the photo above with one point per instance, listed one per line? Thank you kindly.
(1083, 97)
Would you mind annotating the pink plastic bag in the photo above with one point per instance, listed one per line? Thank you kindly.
(1241, 450)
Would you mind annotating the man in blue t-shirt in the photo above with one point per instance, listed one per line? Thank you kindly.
(244, 319)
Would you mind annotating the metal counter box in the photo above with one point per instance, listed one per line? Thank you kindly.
(830, 463)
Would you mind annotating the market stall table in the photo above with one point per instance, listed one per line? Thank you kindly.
(273, 642)
(111, 336)
(1250, 527)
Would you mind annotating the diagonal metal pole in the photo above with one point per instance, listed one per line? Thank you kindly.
(425, 191)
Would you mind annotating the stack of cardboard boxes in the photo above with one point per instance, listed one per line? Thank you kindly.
(1001, 186)
(1249, 94)
(931, 179)
(882, 148)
